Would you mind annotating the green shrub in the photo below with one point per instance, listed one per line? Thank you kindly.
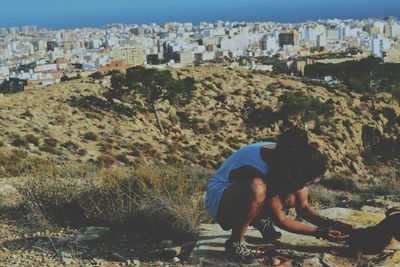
(308, 108)
(320, 196)
(91, 136)
(262, 117)
(70, 146)
(49, 145)
(82, 152)
(340, 183)
(30, 138)
(20, 142)
(122, 158)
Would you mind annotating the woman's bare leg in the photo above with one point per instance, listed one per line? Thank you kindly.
(240, 204)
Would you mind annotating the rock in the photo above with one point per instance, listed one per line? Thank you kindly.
(118, 256)
(91, 233)
(61, 240)
(176, 259)
(167, 243)
(98, 260)
(172, 252)
(67, 261)
(312, 262)
(371, 209)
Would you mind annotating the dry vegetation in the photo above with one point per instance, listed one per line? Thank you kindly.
(157, 200)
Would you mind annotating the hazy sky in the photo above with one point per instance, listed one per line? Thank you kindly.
(79, 13)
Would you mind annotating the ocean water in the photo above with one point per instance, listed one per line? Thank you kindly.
(78, 13)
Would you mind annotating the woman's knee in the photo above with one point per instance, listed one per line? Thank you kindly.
(258, 190)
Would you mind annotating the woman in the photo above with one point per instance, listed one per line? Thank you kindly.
(261, 179)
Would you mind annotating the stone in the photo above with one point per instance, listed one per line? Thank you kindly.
(118, 256)
(172, 252)
(312, 262)
(91, 233)
(167, 243)
(372, 209)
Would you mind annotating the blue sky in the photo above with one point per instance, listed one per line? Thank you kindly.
(79, 13)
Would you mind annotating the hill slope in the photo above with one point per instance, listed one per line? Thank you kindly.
(74, 121)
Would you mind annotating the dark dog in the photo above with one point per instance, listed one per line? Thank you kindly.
(375, 239)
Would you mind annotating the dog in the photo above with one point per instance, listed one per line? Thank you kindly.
(373, 240)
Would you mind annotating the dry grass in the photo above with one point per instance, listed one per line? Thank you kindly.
(321, 197)
(15, 162)
(157, 200)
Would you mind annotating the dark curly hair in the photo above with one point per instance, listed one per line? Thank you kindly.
(295, 162)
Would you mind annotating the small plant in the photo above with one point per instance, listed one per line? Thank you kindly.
(123, 158)
(20, 142)
(320, 196)
(105, 160)
(82, 152)
(261, 117)
(91, 136)
(340, 183)
(30, 138)
(49, 145)
(70, 146)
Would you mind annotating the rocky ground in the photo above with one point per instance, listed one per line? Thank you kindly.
(24, 243)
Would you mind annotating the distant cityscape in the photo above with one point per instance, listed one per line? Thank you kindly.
(31, 57)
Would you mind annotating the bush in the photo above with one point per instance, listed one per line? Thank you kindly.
(308, 108)
(90, 136)
(261, 117)
(30, 138)
(49, 145)
(20, 142)
(70, 146)
(320, 196)
(340, 183)
(105, 160)
(123, 158)
(164, 201)
(97, 75)
(82, 152)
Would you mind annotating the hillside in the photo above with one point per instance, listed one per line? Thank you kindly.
(73, 121)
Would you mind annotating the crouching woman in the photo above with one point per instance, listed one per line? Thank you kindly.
(257, 182)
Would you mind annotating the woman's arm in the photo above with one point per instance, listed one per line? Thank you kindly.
(286, 223)
(304, 209)
(299, 228)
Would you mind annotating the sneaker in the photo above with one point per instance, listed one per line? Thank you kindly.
(238, 252)
(267, 229)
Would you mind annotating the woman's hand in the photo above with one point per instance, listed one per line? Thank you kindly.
(331, 234)
(337, 236)
(340, 226)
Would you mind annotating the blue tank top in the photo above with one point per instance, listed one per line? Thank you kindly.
(249, 155)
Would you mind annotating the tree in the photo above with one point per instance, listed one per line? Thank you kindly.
(298, 104)
(157, 86)
(97, 75)
(117, 84)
